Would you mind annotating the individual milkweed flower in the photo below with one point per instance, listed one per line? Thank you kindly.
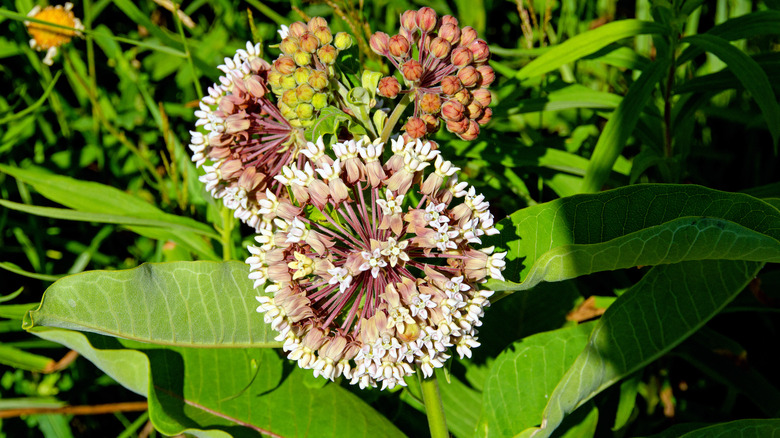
(50, 38)
(451, 67)
(247, 141)
(386, 275)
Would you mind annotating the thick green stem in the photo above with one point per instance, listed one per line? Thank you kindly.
(394, 116)
(433, 406)
(225, 233)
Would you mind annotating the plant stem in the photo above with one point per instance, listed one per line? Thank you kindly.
(394, 116)
(433, 406)
(226, 231)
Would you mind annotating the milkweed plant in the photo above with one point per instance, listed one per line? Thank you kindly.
(380, 258)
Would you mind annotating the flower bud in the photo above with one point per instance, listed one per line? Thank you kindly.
(430, 103)
(426, 19)
(309, 43)
(452, 111)
(450, 32)
(461, 57)
(487, 114)
(304, 92)
(487, 75)
(305, 111)
(448, 19)
(302, 58)
(290, 98)
(431, 123)
(301, 75)
(288, 82)
(471, 132)
(482, 96)
(480, 50)
(316, 23)
(409, 20)
(415, 127)
(297, 29)
(474, 110)
(412, 70)
(379, 43)
(458, 127)
(286, 111)
(323, 34)
(255, 85)
(343, 41)
(463, 96)
(285, 65)
(467, 36)
(398, 46)
(289, 45)
(318, 79)
(319, 101)
(450, 85)
(327, 54)
(389, 87)
(274, 78)
(468, 76)
(440, 48)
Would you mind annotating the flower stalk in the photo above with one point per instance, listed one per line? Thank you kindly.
(434, 409)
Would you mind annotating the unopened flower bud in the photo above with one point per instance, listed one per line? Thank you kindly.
(448, 19)
(487, 114)
(461, 57)
(415, 127)
(327, 54)
(471, 132)
(316, 23)
(440, 48)
(450, 85)
(431, 123)
(318, 79)
(274, 78)
(319, 101)
(288, 46)
(343, 41)
(463, 96)
(426, 19)
(297, 29)
(468, 76)
(305, 111)
(474, 110)
(379, 43)
(309, 43)
(301, 75)
(302, 58)
(287, 112)
(450, 32)
(304, 92)
(412, 70)
(480, 50)
(409, 20)
(389, 87)
(452, 111)
(285, 65)
(398, 46)
(467, 36)
(323, 34)
(430, 103)
(288, 82)
(458, 127)
(487, 75)
(482, 96)
(290, 97)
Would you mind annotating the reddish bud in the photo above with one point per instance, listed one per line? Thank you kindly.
(431, 123)
(288, 46)
(409, 20)
(430, 103)
(487, 114)
(468, 76)
(285, 65)
(412, 70)
(474, 110)
(389, 87)
(487, 75)
(327, 54)
(440, 48)
(318, 79)
(323, 34)
(458, 127)
(316, 23)
(450, 85)
(452, 111)
(297, 29)
(409, 35)
(398, 46)
(467, 36)
(379, 43)
(463, 96)
(309, 43)
(449, 19)
(426, 19)
(471, 132)
(415, 127)
(450, 32)
(482, 96)
(461, 57)
(480, 50)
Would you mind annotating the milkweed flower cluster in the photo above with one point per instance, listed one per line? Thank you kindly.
(50, 38)
(448, 77)
(384, 270)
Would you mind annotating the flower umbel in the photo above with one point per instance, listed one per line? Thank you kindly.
(50, 38)
(380, 270)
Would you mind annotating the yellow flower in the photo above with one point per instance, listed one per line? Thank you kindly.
(49, 38)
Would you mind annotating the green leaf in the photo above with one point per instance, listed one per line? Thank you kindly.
(766, 428)
(587, 43)
(749, 73)
(204, 304)
(745, 26)
(670, 303)
(620, 126)
(725, 79)
(327, 122)
(641, 225)
(523, 377)
(571, 96)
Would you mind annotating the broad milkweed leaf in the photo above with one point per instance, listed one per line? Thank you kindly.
(749, 74)
(203, 304)
(765, 428)
(745, 26)
(587, 43)
(327, 122)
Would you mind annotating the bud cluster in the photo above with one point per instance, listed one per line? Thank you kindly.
(300, 77)
(446, 68)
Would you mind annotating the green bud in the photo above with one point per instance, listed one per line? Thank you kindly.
(318, 80)
(288, 82)
(304, 111)
(342, 41)
(286, 111)
(302, 75)
(302, 58)
(304, 93)
(319, 101)
(290, 98)
(274, 79)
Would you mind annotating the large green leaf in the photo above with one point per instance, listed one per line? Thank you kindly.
(745, 26)
(764, 428)
(327, 122)
(202, 304)
(670, 303)
(641, 225)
